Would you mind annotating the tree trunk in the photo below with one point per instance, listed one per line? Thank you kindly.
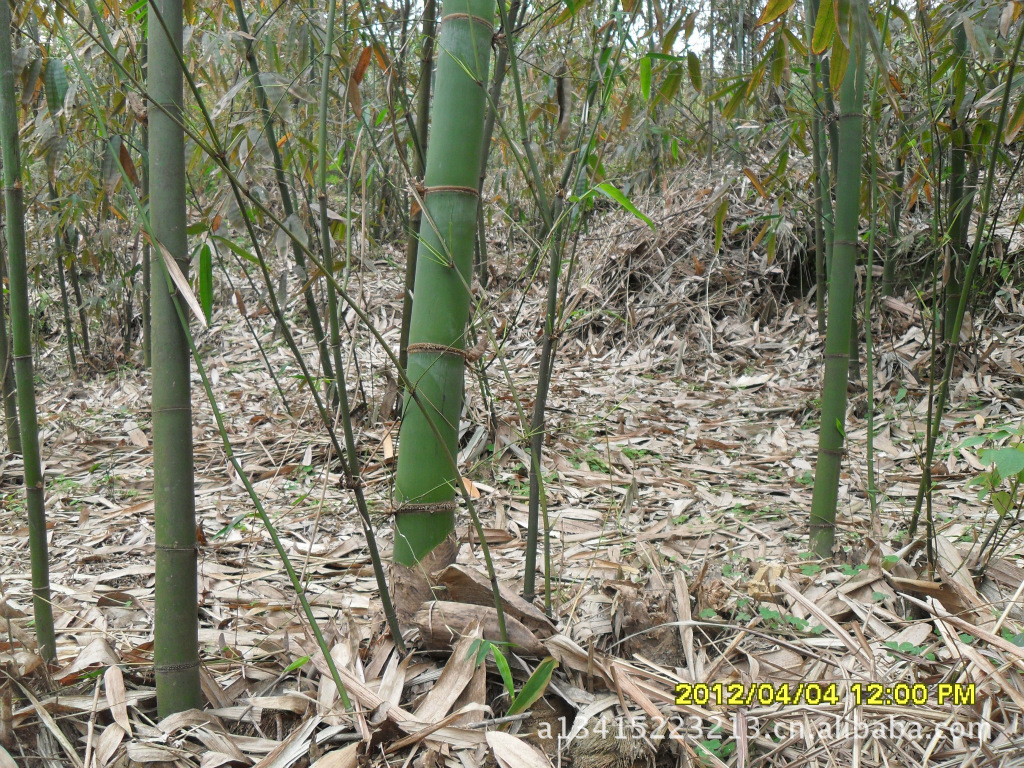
(176, 648)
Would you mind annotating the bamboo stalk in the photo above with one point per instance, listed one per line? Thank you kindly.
(840, 307)
(176, 624)
(425, 485)
(8, 390)
(21, 333)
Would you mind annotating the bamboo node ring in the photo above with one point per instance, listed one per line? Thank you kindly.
(443, 349)
(452, 188)
(475, 19)
(431, 508)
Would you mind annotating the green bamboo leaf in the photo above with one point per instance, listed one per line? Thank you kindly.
(645, 78)
(773, 10)
(978, 38)
(723, 208)
(534, 688)
(779, 60)
(824, 28)
(733, 105)
(902, 15)
(55, 82)
(1015, 123)
(688, 25)
(798, 45)
(571, 9)
(206, 281)
(959, 88)
(670, 85)
(840, 59)
(671, 35)
(756, 76)
(237, 249)
(297, 664)
(32, 75)
(728, 90)
(693, 64)
(503, 668)
(610, 190)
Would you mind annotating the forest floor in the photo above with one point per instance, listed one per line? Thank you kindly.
(678, 475)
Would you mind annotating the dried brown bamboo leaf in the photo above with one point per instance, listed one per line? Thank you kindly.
(454, 677)
(293, 747)
(513, 752)
(346, 757)
(52, 727)
(854, 647)
(113, 684)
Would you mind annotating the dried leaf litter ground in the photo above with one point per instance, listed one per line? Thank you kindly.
(678, 476)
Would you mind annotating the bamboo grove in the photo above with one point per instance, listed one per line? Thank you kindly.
(155, 152)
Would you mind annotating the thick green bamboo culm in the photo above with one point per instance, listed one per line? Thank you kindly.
(176, 624)
(21, 343)
(841, 294)
(425, 484)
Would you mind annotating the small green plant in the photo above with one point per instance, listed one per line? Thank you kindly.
(633, 454)
(1000, 487)
(775, 620)
(1016, 639)
(715, 747)
(532, 689)
(909, 649)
